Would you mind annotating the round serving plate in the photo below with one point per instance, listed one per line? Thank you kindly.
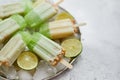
(71, 60)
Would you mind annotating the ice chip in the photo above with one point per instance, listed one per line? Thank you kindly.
(12, 74)
(52, 70)
(59, 67)
(9, 72)
(24, 75)
(44, 70)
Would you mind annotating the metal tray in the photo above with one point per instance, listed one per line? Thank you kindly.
(72, 60)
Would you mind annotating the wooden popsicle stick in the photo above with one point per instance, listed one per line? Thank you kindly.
(58, 2)
(64, 62)
(0, 63)
(80, 24)
(55, 5)
(6, 63)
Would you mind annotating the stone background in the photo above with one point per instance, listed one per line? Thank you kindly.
(100, 59)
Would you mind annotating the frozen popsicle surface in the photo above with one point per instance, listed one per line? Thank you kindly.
(57, 29)
(10, 26)
(12, 49)
(46, 48)
(40, 13)
(22, 6)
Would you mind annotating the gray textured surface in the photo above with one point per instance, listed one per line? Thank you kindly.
(100, 59)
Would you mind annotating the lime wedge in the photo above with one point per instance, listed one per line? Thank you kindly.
(27, 60)
(73, 47)
(64, 15)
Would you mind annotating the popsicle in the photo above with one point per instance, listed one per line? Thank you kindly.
(10, 26)
(10, 52)
(59, 28)
(47, 49)
(41, 13)
(21, 6)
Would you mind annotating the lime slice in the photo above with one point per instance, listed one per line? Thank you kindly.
(64, 15)
(73, 47)
(27, 60)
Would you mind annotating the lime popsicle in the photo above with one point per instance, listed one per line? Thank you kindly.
(58, 29)
(11, 25)
(40, 14)
(47, 49)
(22, 6)
(10, 52)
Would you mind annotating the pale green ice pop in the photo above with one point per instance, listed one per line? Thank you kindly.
(41, 13)
(47, 49)
(21, 6)
(10, 26)
(12, 49)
